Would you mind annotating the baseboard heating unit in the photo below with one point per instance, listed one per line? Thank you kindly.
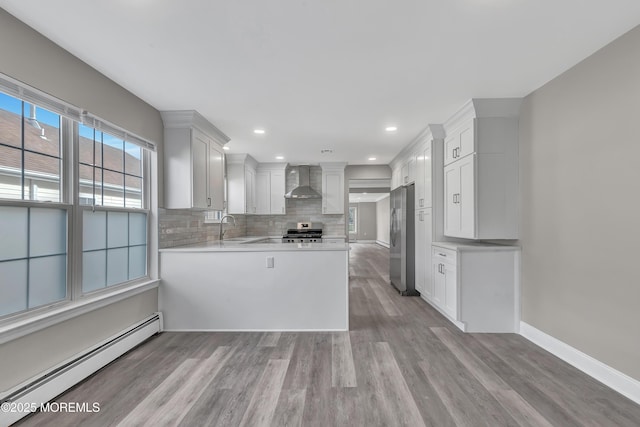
(27, 397)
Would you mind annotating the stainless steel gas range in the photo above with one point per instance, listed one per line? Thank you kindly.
(304, 232)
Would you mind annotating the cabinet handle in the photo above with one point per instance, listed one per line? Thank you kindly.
(209, 201)
(421, 202)
(441, 254)
(420, 216)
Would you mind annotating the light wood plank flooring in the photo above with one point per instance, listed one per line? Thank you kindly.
(401, 363)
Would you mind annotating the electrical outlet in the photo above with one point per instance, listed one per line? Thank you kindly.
(269, 262)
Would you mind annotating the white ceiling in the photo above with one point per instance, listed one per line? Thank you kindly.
(327, 74)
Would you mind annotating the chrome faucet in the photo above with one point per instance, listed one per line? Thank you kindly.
(221, 235)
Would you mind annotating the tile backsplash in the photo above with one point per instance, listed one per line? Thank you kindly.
(178, 227)
(297, 211)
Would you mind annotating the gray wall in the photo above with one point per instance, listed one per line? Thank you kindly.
(27, 56)
(366, 221)
(382, 222)
(579, 153)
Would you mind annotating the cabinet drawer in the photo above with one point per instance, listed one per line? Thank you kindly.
(333, 240)
(446, 256)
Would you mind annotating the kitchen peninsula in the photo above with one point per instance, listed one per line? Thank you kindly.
(253, 285)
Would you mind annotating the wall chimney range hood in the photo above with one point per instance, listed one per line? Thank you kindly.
(303, 190)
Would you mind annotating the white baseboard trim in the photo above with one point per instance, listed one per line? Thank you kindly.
(28, 397)
(607, 375)
(381, 243)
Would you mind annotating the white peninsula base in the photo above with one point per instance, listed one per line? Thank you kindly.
(255, 287)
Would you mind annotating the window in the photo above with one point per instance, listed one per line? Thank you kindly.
(110, 170)
(353, 219)
(30, 151)
(40, 265)
(33, 257)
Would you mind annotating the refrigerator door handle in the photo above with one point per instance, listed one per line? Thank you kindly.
(393, 226)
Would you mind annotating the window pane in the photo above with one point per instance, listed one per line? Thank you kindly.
(13, 233)
(13, 286)
(10, 117)
(132, 159)
(113, 189)
(94, 270)
(94, 230)
(134, 192)
(47, 280)
(86, 185)
(113, 152)
(137, 229)
(41, 130)
(48, 232)
(86, 147)
(41, 177)
(117, 229)
(137, 262)
(10, 172)
(117, 266)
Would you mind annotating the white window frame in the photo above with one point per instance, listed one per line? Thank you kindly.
(76, 302)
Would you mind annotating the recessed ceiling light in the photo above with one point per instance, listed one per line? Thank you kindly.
(391, 128)
(225, 148)
(326, 151)
(258, 131)
(372, 158)
(279, 157)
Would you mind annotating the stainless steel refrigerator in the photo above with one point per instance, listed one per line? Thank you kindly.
(402, 239)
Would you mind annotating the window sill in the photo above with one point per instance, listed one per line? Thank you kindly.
(22, 327)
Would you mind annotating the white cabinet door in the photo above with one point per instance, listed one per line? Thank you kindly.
(411, 169)
(451, 203)
(333, 192)
(199, 155)
(427, 165)
(467, 197)
(250, 190)
(460, 143)
(263, 192)
(278, 183)
(460, 198)
(396, 178)
(420, 255)
(439, 281)
(420, 180)
(424, 281)
(450, 290)
(216, 177)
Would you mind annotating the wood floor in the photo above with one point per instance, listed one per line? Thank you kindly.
(401, 363)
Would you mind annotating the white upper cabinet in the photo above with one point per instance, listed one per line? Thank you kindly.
(481, 170)
(241, 184)
(270, 189)
(333, 188)
(193, 161)
(460, 142)
(396, 177)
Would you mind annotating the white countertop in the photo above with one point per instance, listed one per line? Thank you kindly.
(254, 244)
(472, 246)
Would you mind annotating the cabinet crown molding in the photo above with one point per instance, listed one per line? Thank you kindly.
(272, 166)
(333, 165)
(180, 119)
(431, 132)
(241, 159)
(483, 108)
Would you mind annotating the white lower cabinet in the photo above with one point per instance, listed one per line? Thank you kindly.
(423, 279)
(476, 285)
